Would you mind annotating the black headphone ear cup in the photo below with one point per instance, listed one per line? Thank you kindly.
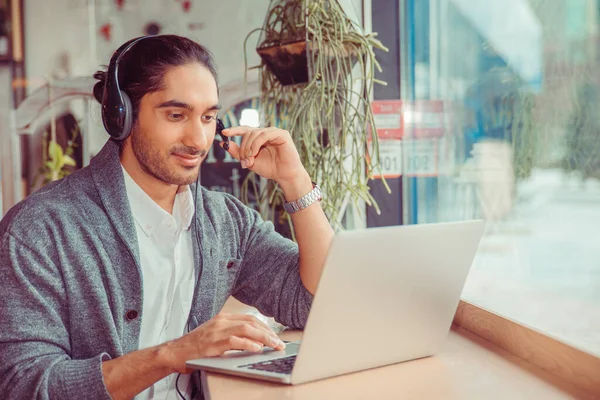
(117, 110)
(128, 123)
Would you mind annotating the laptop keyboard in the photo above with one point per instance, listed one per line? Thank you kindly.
(279, 365)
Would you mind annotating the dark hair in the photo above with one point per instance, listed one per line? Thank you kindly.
(143, 67)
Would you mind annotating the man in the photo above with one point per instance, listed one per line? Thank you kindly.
(114, 276)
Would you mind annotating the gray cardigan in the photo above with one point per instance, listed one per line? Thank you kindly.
(70, 275)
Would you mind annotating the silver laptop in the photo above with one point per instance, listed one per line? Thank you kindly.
(386, 295)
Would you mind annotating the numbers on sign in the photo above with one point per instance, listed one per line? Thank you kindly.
(418, 163)
(390, 163)
(421, 158)
(390, 158)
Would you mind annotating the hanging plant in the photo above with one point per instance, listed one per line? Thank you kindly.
(283, 47)
(317, 76)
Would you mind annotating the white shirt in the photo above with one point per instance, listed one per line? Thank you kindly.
(167, 262)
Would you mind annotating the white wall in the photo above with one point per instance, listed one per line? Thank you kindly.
(56, 39)
(57, 32)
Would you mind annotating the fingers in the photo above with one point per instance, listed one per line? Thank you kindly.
(239, 151)
(257, 142)
(222, 333)
(250, 327)
(253, 139)
(252, 320)
(248, 331)
(246, 152)
(239, 343)
(238, 130)
(247, 139)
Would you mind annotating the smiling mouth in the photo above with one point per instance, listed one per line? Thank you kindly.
(188, 159)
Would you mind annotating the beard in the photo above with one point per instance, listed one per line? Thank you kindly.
(156, 163)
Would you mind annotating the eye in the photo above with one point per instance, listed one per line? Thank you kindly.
(208, 118)
(175, 116)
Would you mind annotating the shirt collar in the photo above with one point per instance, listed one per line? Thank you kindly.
(149, 215)
(184, 208)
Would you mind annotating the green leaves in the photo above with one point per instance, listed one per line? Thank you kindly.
(68, 161)
(56, 156)
(56, 162)
(58, 159)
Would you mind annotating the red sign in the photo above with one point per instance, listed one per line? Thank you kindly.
(424, 118)
(388, 118)
(408, 133)
(390, 128)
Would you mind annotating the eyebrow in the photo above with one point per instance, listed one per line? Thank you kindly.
(181, 104)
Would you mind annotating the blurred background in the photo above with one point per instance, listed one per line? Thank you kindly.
(491, 110)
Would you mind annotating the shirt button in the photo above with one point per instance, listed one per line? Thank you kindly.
(131, 315)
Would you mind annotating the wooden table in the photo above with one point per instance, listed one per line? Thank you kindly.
(467, 368)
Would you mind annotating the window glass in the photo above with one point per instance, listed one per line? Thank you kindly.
(514, 86)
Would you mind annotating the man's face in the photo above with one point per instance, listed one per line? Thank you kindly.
(176, 125)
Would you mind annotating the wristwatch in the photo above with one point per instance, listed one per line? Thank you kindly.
(305, 201)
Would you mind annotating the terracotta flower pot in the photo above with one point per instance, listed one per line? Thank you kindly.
(287, 62)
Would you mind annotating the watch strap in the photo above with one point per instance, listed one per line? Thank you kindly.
(311, 197)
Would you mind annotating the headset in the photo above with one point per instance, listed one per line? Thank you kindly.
(117, 110)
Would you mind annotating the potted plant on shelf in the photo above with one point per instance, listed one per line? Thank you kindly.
(56, 161)
(317, 75)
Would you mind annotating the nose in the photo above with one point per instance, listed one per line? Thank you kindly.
(198, 135)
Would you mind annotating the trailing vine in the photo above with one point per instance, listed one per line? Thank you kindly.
(329, 117)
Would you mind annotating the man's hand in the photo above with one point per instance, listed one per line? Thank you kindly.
(222, 333)
(269, 152)
(131, 373)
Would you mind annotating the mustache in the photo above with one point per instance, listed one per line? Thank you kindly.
(192, 151)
